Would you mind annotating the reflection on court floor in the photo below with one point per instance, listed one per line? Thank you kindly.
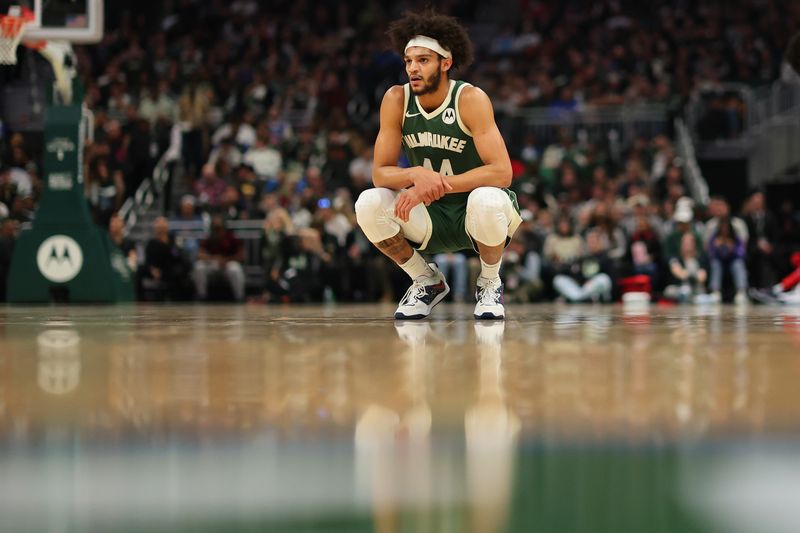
(339, 419)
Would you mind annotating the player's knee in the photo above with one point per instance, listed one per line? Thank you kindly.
(487, 222)
(486, 201)
(372, 203)
(372, 208)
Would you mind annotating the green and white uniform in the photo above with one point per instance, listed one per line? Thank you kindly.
(440, 141)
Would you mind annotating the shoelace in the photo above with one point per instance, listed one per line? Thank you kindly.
(488, 294)
(415, 291)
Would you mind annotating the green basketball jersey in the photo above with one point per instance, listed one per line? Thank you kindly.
(439, 140)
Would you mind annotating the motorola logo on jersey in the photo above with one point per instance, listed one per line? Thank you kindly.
(59, 258)
(449, 115)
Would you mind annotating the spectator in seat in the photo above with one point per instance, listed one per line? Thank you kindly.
(264, 158)
(8, 189)
(602, 219)
(720, 209)
(116, 229)
(250, 190)
(588, 278)
(105, 190)
(682, 223)
(277, 230)
(563, 246)
(189, 220)
(239, 131)
(221, 253)
(726, 251)
(689, 272)
(210, 188)
(762, 256)
(522, 271)
(226, 151)
(166, 269)
(301, 268)
(644, 252)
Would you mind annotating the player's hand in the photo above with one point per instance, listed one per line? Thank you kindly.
(429, 184)
(406, 201)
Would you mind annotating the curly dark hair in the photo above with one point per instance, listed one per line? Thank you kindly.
(445, 29)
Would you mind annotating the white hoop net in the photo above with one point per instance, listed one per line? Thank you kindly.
(11, 30)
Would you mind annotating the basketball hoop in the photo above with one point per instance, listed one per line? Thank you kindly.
(12, 27)
(62, 59)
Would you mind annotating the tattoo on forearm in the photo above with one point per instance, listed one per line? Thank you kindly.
(396, 248)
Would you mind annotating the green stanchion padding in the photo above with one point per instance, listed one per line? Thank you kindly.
(65, 252)
(84, 261)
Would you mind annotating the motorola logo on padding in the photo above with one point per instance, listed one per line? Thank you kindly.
(59, 258)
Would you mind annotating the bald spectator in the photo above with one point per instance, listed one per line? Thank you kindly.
(166, 270)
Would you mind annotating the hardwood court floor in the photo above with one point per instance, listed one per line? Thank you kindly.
(338, 418)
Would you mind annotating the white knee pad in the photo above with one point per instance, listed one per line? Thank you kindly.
(375, 216)
(372, 213)
(489, 215)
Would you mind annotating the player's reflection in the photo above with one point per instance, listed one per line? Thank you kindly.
(393, 445)
(491, 436)
(396, 461)
(58, 369)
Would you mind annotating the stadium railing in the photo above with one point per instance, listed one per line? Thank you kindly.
(769, 133)
(684, 147)
(623, 123)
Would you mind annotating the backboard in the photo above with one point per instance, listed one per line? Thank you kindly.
(76, 21)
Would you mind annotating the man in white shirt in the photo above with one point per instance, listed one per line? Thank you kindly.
(266, 160)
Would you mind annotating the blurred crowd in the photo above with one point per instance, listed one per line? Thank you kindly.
(268, 113)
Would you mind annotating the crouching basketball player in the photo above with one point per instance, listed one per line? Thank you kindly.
(454, 195)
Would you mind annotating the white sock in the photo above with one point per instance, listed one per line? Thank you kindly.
(416, 266)
(490, 271)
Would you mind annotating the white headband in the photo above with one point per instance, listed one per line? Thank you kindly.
(430, 43)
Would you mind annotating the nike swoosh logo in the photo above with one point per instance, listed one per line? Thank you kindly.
(409, 115)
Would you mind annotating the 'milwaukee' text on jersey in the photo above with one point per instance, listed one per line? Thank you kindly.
(434, 140)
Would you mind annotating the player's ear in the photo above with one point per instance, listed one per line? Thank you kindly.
(447, 63)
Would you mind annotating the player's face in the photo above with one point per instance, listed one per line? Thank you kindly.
(424, 68)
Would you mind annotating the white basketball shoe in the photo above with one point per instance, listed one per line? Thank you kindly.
(423, 294)
(489, 294)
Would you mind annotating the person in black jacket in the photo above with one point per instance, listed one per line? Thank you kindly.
(166, 272)
(300, 268)
(762, 253)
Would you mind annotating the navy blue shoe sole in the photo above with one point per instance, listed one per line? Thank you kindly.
(398, 316)
(488, 316)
